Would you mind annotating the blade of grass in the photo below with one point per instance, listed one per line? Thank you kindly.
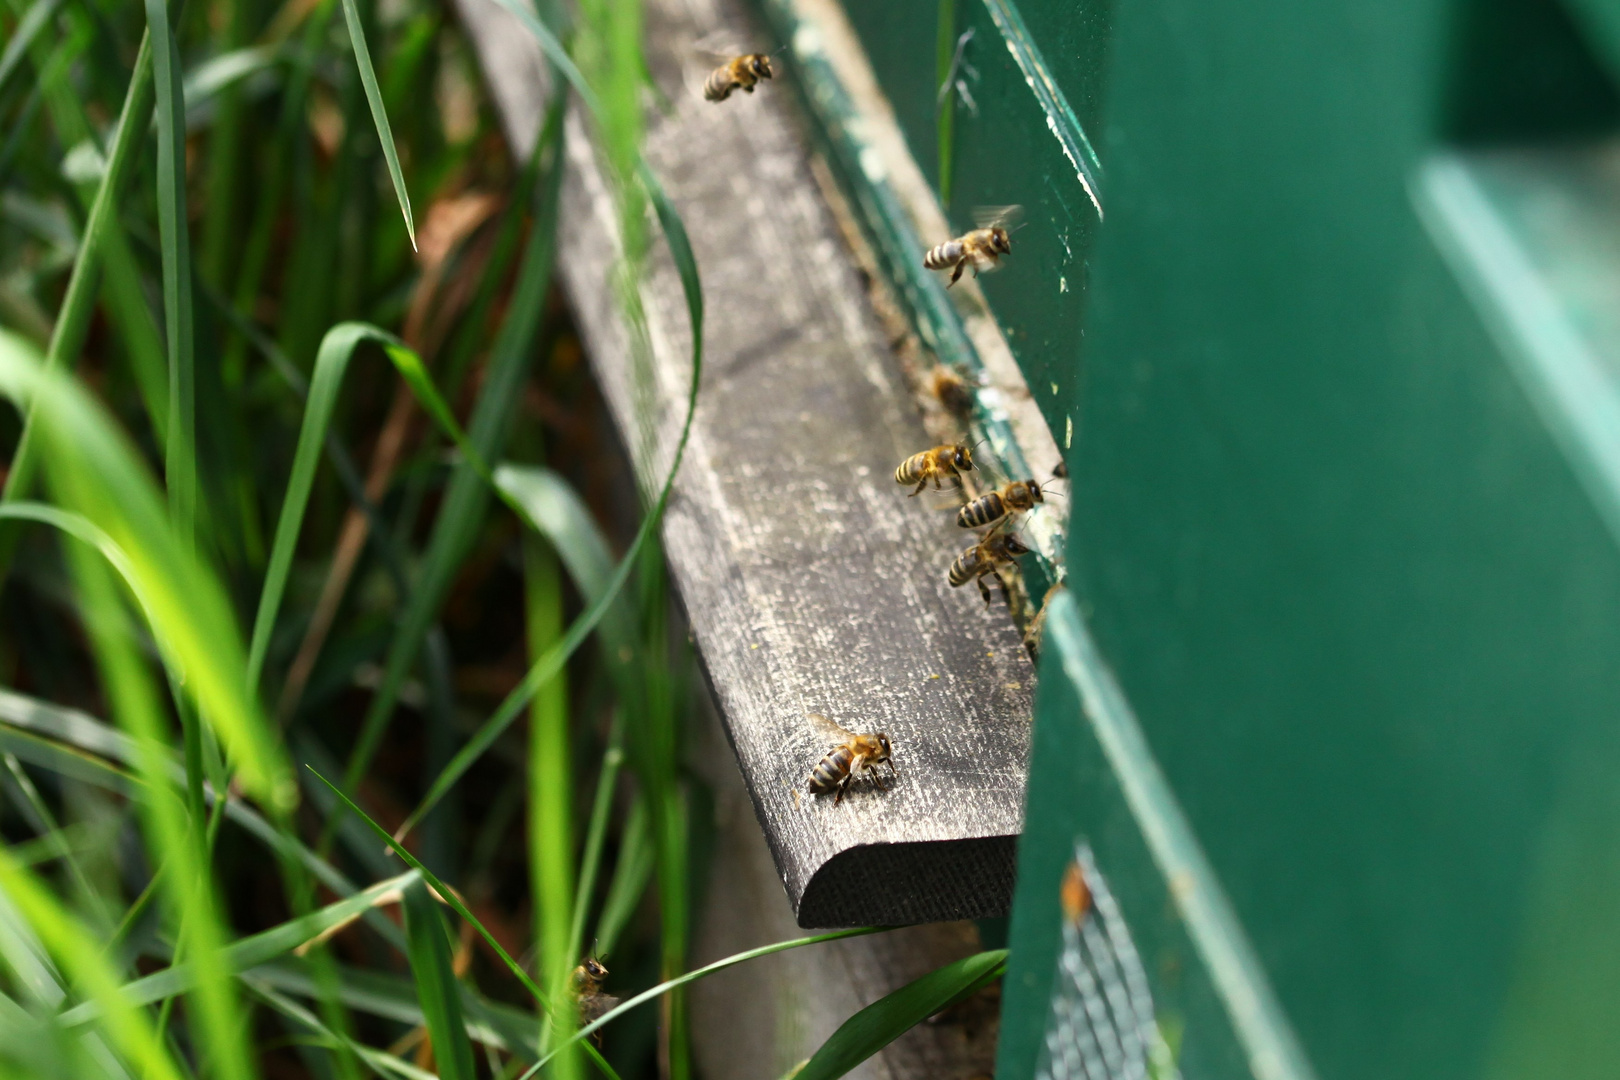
(27, 27)
(394, 997)
(95, 472)
(75, 947)
(379, 115)
(539, 995)
(886, 1019)
(379, 1061)
(85, 736)
(596, 836)
(216, 1019)
(180, 456)
(701, 973)
(436, 985)
(465, 501)
(631, 872)
(73, 320)
(551, 833)
(181, 453)
(249, 952)
(691, 286)
(34, 805)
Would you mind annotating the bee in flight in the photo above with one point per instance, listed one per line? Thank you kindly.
(982, 248)
(739, 73)
(995, 550)
(997, 506)
(951, 390)
(935, 465)
(854, 756)
(586, 985)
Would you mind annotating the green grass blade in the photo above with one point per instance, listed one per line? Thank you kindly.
(250, 952)
(74, 745)
(77, 949)
(691, 286)
(331, 365)
(551, 790)
(466, 499)
(216, 1019)
(886, 1019)
(540, 996)
(590, 859)
(379, 115)
(702, 973)
(436, 984)
(181, 455)
(83, 529)
(380, 1062)
(73, 320)
(27, 27)
(97, 473)
(394, 997)
(631, 873)
(552, 506)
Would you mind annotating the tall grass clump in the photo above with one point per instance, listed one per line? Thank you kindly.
(340, 714)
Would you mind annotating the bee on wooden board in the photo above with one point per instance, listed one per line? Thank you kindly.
(935, 465)
(855, 756)
(997, 506)
(739, 73)
(586, 984)
(981, 249)
(997, 549)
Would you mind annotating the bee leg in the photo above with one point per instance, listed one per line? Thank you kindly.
(1005, 595)
(955, 277)
(918, 489)
(984, 592)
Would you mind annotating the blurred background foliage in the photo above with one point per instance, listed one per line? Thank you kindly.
(414, 603)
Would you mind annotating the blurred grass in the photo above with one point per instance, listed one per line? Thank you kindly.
(209, 603)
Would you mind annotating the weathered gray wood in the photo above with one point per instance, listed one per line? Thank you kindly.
(811, 582)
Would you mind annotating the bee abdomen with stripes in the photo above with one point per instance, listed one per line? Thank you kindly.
(990, 508)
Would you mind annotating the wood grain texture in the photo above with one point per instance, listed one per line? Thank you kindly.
(811, 581)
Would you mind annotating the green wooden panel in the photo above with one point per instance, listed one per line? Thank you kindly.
(1007, 152)
(1343, 532)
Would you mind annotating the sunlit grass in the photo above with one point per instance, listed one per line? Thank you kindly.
(324, 499)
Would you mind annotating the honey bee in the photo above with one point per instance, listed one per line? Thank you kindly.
(983, 558)
(740, 73)
(1075, 894)
(854, 756)
(982, 248)
(586, 984)
(952, 391)
(935, 465)
(997, 506)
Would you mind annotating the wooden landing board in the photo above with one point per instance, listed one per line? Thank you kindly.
(812, 583)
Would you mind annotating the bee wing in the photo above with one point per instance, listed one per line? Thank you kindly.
(989, 217)
(827, 729)
(720, 44)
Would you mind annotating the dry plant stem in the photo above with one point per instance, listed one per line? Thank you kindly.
(425, 326)
(351, 541)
